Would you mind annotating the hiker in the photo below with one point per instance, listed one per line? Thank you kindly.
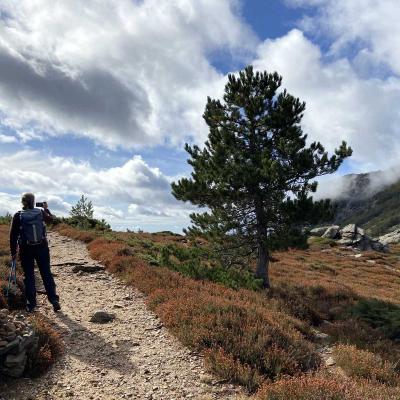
(28, 235)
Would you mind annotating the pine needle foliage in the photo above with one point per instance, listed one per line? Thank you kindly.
(256, 171)
(82, 209)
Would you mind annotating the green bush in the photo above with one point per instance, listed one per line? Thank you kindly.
(85, 223)
(5, 219)
(196, 263)
(380, 315)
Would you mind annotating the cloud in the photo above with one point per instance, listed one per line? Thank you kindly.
(369, 29)
(133, 194)
(356, 186)
(8, 203)
(122, 73)
(340, 104)
(7, 139)
(94, 102)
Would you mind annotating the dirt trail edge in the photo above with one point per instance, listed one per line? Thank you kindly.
(132, 357)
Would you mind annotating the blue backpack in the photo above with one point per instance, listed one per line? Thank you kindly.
(32, 226)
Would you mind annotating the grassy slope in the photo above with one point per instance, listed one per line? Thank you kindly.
(376, 214)
(257, 338)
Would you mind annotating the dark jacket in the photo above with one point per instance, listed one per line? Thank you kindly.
(16, 225)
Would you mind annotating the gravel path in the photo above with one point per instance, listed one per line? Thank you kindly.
(133, 357)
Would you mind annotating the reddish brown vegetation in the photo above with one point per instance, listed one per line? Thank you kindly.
(50, 345)
(243, 333)
(339, 269)
(365, 364)
(326, 388)
(253, 337)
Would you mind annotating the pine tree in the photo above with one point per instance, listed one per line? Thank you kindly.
(82, 209)
(255, 172)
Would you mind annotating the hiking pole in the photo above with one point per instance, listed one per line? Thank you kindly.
(12, 277)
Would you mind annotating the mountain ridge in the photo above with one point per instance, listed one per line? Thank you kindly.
(370, 200)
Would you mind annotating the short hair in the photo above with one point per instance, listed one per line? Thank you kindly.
(28, 200)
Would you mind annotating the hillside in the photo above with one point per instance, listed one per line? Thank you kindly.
(374, 207)
(328, 328)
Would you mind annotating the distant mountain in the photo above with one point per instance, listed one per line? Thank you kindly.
(370, 200)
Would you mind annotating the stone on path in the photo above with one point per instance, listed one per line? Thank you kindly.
(88, 268)
(102, 317)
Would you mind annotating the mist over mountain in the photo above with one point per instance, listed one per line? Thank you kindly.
(370, 200)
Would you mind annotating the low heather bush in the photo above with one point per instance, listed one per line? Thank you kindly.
(364, 364)
(381, 315)
(309, 387)
(241, 331)
(50, 346)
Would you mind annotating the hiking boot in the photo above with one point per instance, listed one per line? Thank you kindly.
(56, 306)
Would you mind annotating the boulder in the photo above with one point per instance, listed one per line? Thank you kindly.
(352, 235)
(332, 232)
(319, 231)
(390, 238)
(355, 237)
(377, 245)
(102, 317)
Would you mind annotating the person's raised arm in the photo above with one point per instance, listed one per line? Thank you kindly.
(48, 217)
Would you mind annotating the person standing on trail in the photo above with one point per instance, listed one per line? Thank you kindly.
(28, 235)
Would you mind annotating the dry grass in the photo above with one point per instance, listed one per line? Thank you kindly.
(365, 364)
(15, 301)
(326, 388)
(244, 336)
(50, 346)
(77, 234)
(335, 267)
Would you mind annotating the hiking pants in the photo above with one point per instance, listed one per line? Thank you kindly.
(39, 253)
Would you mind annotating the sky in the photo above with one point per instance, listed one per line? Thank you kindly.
(99, 97)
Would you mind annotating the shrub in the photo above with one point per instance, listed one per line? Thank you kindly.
(312, 303)
(50, 346)
(198, 264)
(84, 223)
(77, 234)
(241, 331)
(309, 387)
(358, 333)
(6, 219)
(225, 366)
(364, 364)
(379, 314)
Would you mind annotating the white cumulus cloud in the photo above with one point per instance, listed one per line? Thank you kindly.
(341, 105)
(122, 73)
(133, 194)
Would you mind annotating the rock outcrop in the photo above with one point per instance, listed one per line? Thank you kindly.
(319, 231)
(332, 232)
(18, 344)
(390, 238)
(352, 236)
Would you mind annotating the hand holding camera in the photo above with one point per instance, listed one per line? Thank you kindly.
(42, 205)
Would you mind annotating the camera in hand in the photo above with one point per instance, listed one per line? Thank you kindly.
(41, 205)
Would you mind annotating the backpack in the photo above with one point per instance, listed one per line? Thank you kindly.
(32, 226)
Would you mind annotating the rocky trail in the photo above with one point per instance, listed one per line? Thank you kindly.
(131, 357)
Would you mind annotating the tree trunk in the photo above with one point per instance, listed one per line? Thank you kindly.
(263, 264)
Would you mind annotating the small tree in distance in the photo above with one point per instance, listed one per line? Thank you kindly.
(82, 209)
(255, 171)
